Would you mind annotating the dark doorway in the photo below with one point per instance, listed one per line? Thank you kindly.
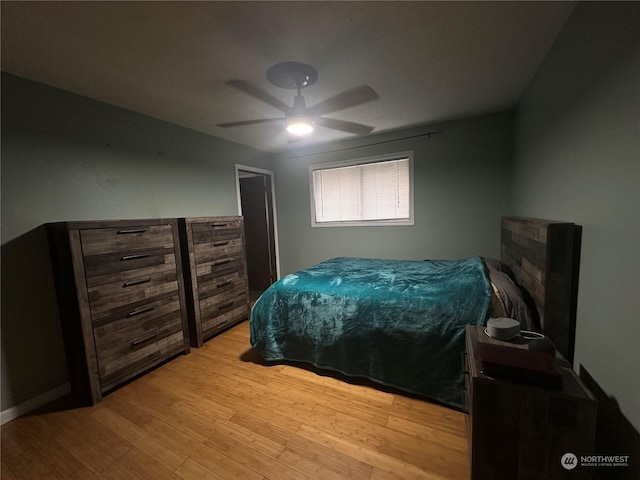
(256, 199)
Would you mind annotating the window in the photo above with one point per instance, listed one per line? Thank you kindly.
(368, 191)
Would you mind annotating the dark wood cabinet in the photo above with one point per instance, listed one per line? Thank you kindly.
(215, 274)
(121, 299)
(520, 431)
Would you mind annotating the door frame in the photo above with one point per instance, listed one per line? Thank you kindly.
(270, 174)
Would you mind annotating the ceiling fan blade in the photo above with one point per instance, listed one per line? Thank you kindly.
(343, 125)
(259, 94)
(250, 122)
(350, 98)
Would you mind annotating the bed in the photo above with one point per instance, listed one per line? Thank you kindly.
(400, 323)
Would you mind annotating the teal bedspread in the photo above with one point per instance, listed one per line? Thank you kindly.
(397, 322)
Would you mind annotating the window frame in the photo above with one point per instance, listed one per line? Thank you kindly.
(361, 161)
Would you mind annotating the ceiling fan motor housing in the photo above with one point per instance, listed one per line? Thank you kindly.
(299, 105)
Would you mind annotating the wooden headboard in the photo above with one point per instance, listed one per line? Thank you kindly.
(544, 256)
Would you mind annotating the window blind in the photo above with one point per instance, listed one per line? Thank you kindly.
(375, 191)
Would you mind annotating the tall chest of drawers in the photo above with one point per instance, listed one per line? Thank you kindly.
(121, 299)
(217, 291)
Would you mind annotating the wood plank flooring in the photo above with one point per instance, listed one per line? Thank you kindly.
(221, 413)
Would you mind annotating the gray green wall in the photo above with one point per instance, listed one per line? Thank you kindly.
(577, 158)
(66, 157)
(461, 178)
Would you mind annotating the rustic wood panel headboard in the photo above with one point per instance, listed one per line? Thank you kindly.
(544, 256)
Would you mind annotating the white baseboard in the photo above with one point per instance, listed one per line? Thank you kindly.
(33, 403)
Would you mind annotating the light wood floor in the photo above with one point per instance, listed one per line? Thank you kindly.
(218, 413)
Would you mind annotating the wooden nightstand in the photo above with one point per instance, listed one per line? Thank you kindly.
(519, 431)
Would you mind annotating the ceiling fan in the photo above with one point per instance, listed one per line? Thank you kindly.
(300, 119)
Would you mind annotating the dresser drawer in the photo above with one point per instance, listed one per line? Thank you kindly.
(217, 249)
(204, 232)
(98, 272)
(467, 388)
(131, 340)
(226, 298)
(214, 321)
(467, 394)
(219, 268)
(97, 265)
(230, 285)
(219, 305)
(131, 287)
(121, 239)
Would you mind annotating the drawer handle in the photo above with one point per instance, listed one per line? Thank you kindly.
(220, 244)
(134, 256)
(224, 284)
(140, 311)
(131, 283)
(130, 231)
(226, 305)
(221, 262)
(135, 343)
(214, 225)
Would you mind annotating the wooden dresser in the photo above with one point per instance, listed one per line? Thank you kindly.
(121, 299)
(520, 431)
(216, 282)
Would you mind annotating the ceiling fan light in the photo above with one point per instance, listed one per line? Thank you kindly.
(299, 126)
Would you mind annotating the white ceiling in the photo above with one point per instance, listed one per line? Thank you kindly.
(428, 61)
